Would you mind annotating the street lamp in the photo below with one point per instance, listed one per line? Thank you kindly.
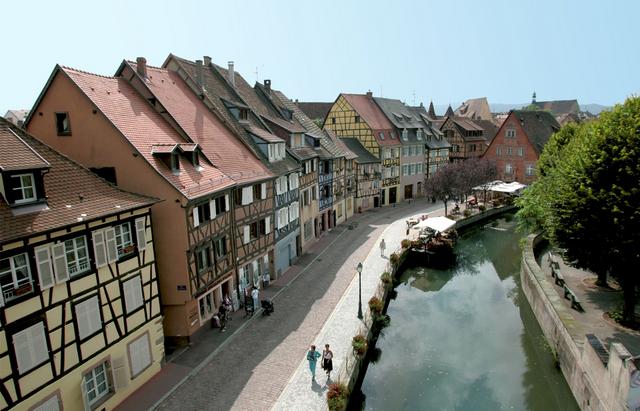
(359, 268)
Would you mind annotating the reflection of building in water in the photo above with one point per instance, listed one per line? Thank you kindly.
(431, 280)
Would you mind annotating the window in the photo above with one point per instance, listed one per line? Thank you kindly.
(419, 134)
(306, 196)
(381, 134)
(139, 355)
(222, 204)
(405, 169)
(257, 191)
(405, 151)
(521, 151)
(220, 247)
(77, 255)
(511, 132)
(253, 231)
(123, 239)
(333, 120)
(88, 317)
(63, 126)
(509, 151)
(51, 404)
(203, 259)
(498, 151)
(530, 170)
(508, 169)
(357, 119)
(195, 159)
(246, 195)
(24, 188)
(205, 304)
(15, 277)
(405, 134)
(308, 229)
(30, 347)
(243, 114)
(133, 297)
(393, 135)
(412, 169)
(95, 384)
(175, 163)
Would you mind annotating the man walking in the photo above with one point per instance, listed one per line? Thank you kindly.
(382, 247)
(255, 294)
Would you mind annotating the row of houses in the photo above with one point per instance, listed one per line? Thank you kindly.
(133, 204)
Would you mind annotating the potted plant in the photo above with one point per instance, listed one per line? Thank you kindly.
(337, 397)
(386, 278)
(394, 258)
(376, 305)
(359, 344)
(406, 243)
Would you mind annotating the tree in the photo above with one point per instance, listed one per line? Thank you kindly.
(587, 196)
(441, 185)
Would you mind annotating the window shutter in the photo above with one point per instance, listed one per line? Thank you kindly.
(51, 404)
(246, 234)
(133, 294)
(226, 202)
(247, 195)
(99, 247)
(23, 353)
(139, 355)
(267, 225)
(196, 217)
(263, 191)
(30, 347)
(119, 370)
(212, 209)
(291, 182)
(112, 247)
(39, 344)
(45, 270)
(141, 233)
(85, 397)
(60, 263)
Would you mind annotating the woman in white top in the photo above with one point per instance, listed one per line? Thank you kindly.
(327, 360)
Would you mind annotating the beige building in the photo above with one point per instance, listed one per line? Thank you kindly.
(81, 322)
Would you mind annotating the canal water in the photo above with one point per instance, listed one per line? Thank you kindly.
(465, 338)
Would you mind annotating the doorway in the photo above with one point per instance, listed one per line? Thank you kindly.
(392, 195)
(408, 191)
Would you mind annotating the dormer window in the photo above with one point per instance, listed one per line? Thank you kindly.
(287, 114)
(405, 134)
(243, 114)
(381, 135)
(175, 163)
(63, 126)
(276, 151)
(419, 134)
(24, 189)
(195, 159)
(393, 135)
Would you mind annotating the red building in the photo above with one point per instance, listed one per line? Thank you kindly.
(519, 142)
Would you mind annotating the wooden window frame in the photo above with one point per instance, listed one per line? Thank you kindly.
(66, 132)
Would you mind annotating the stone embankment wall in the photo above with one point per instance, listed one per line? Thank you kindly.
(599, 379)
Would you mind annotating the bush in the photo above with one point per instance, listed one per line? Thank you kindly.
(482, 207)
(394, 258)
(381, 321)
(386, 278)
(337, 396)
(405, 243)
(466, 212)
(359, 344)
(376, 305)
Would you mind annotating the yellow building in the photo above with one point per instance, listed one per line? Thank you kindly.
(80, 319)
(358, 116)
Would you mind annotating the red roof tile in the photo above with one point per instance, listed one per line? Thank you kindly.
(139, 123)
(373, 116)
(73, 193)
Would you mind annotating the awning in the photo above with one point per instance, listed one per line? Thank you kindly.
(439, 224)
(501, 187)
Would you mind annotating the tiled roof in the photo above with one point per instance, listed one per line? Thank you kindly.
(315, 110)
(538, 125)
(363, 156)
(16, 154)
(304, 153)
(217, 142)
(369, 111)
(264, 135)
(489, 129)
(72, 191)
(557, 107)
(143, 127)
(476, 109)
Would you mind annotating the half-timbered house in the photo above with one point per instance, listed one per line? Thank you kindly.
(80, 315)
(367, 175)
(465, 136)
(122, 131)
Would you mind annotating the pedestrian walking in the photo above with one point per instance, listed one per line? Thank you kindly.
(327, 360)
(382, 247)
(255, 294)
(312, 357)
(222, 315)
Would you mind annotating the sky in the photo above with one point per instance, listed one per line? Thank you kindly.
(416, 51)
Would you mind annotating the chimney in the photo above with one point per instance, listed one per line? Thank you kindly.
(369, 94)
(232, 74)
(207, 61)
(199, 73)
(141, 65)
(267, 86)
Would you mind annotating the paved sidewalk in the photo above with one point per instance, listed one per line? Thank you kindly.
(595, 302)
(304, 393)
(248, 366)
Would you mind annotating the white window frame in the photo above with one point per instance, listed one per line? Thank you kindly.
(30, 347)
(140, 357)
(22, 188)
(133, 294)
(511, 133)
(77, 267)
(88, 317)
(508, 169)
(530, 170)
(15, 282)
(92, 376)
(120, 237)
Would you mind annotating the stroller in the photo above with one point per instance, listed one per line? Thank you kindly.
(267, 307)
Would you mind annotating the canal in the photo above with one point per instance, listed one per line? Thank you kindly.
(465, 338)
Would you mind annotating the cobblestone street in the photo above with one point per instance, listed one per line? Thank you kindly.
(253, 367)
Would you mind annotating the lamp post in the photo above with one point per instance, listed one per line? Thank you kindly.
(359, 268)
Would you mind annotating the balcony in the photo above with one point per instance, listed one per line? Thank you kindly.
(394, 181)
(326, 202)
(388, 162)
(11, 292)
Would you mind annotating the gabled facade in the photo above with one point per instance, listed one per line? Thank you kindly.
(366, 176)
(519, 142)
(123, 131)
(80, 315)
(465, 136)
(358, 116)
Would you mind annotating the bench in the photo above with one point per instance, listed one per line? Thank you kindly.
(555, 273)
(575, 301)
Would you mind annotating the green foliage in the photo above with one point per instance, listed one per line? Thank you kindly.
(381, 321)
(376, 305)
(405, 243)
(337, 396)
(587, 195)
(359, 344)
(386, 278)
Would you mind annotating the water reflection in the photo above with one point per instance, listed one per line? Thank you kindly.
(459, 340)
